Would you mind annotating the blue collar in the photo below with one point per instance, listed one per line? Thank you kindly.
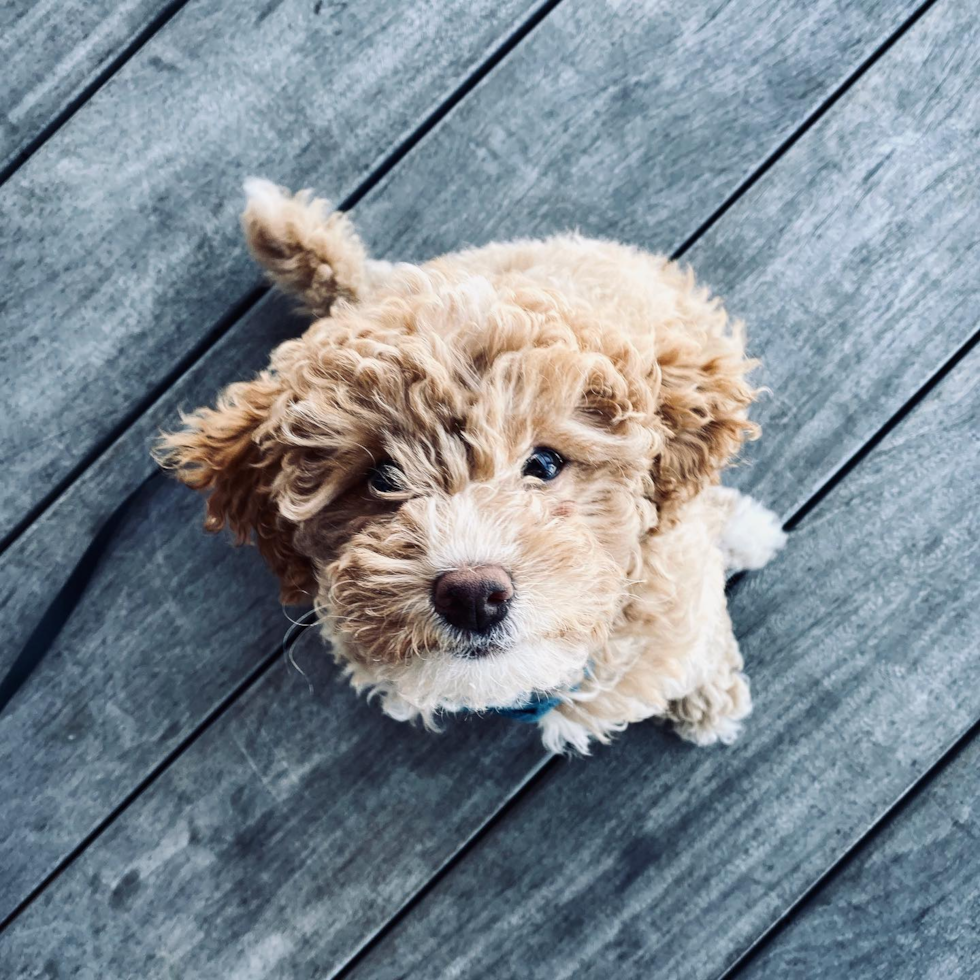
(534, 707)
(530, 711)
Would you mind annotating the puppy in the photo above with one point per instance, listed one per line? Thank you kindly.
(496, 476)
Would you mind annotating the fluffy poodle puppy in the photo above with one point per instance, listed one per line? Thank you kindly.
(496, 476)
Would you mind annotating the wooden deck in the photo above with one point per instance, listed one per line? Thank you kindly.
(176, 803)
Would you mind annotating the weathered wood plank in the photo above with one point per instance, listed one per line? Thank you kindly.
(908, 907)
(861, 641)
(662, 859)
(637, 134)
(300, 835)
(172, 621)
(121, 234)
(31, 573)
(51, 50)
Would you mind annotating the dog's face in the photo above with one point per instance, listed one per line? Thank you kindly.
(461, 477)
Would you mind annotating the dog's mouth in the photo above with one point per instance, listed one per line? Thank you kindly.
(478, 646)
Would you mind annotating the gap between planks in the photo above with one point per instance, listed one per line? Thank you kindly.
(74, 104)
(873, 832)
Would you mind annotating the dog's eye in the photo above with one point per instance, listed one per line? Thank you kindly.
(385, 478)
(544, 464)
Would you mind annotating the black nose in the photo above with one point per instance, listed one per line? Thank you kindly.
(473, 599)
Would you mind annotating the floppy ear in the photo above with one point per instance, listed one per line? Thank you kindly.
(230, 452)
(703, 406)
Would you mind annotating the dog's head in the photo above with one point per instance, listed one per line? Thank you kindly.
(462, 473)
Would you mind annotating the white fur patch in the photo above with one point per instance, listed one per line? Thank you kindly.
(470, 299)
(378, 273)
(462, 534)
(560, 734)
(265, 195)
(724, 729)
(442, 681)
(752, 534)
(397, 707)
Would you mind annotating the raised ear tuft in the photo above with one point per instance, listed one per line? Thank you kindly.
(307, 249)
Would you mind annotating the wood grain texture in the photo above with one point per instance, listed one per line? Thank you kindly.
(34, 571)
(908, 907)
(173, 620)
(278, 843)
(626, 119)
(121, 234)
(51, 50)
(661, 859)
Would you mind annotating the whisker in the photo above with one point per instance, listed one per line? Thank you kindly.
(295, 622)
(291, 637)
(291, 659)
(298, 625)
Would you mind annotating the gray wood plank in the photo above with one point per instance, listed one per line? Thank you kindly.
(670, 107)
(908, 907)
(172, 622)
(661, 859)
(51, 50)
(121, 235)
(98, 767)
(299, 835)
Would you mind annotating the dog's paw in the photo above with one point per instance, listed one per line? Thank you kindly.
(563, 736)
(751, 536)
(713, 714)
